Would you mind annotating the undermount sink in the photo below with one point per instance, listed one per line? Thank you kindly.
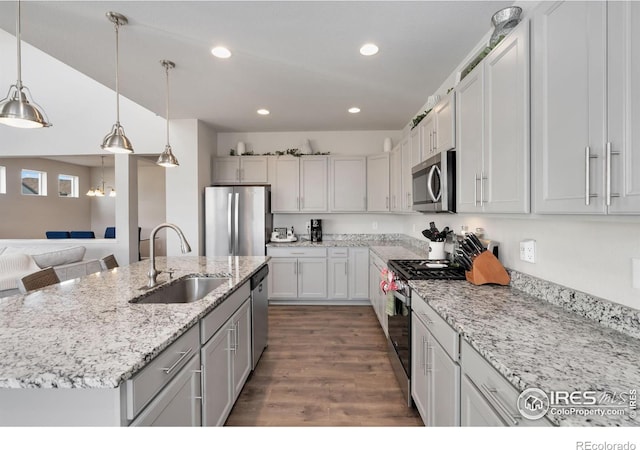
(185, 290)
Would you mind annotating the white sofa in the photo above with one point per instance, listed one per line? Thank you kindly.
(67, 261)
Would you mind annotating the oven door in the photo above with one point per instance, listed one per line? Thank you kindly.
(399, 325)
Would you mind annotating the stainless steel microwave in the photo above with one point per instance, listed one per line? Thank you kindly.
(434, 183)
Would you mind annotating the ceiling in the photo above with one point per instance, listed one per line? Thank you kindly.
(299, 59)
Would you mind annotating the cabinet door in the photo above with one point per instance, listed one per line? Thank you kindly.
(338, 278)
(427, 136)
(358, 273)
(312, 278)
(378, 183)
(284, 278)
(505, 186)
(475, 410)
(348, 183)
(242, 347)
(419, 341)
(218, 387)
(624, 106)
(253, 169)
(313, 184)
(443, 395)
(568, 106)
(395, 179)
(407, 183)
(178, 404)
(285, 192)
(226, 169)
(414, 144)
(470, 137)
(445, 124)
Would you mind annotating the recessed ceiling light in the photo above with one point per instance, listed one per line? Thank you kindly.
(354, 110)
(369, 49)
(221, 52)
(263, 112)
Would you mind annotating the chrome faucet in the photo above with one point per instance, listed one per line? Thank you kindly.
(184, 247)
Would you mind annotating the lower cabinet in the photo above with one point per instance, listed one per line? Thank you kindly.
(378, 298)
(179, 403)
(476, 411)
(226, 361)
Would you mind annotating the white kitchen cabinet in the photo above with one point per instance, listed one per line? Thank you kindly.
(283, 281)
(298, 273)
(427, 128)
(493, 130)
(312, 278)
(299, 184)
(348, 183)
(226, 361)
(445, 124)
(179, 403)
(240, 169)
(406, 176)
(415, 146)
(435, 372)
(569, 71)
(378, 183)
(395, 179)
(338, 266)
(474, 408)
(377, 297)
(359, 273)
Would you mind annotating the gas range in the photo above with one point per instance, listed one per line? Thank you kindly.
(424, 269)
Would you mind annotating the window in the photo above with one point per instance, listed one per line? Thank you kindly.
(33, 182)
(3, 180)
(67, 186)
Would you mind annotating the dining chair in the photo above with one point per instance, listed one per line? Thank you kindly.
(37, 280)
(109, 262)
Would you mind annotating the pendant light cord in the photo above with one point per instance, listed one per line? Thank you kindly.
(117, 25)
(18, 36)
(167, 71)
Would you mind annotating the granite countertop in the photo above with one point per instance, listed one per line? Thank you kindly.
(84, 333)
(533, 343)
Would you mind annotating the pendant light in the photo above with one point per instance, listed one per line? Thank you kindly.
(18, 109)
(116, 141)
(167, 158)
(99, 192)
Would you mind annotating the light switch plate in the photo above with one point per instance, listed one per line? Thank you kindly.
(528, 250)
(635, 272)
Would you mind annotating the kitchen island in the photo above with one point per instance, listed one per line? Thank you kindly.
(79, 342)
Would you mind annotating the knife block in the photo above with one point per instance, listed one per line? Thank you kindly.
(487, 269)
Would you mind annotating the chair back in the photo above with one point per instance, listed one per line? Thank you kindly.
(57, 234)
(37, 280)
(110, 233)
(109, 262)
(82, 235)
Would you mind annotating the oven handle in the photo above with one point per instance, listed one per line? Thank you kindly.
(401, 297)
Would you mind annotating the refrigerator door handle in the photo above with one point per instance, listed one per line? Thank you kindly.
(230, 232)
(235, 231)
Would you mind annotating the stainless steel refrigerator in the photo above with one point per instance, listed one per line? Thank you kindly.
(238, 220)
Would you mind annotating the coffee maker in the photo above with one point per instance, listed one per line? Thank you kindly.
(316, 230)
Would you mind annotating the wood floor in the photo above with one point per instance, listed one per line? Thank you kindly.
(324, 366)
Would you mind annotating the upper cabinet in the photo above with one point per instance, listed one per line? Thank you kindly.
(444, 128)
(348, 183)
(299, 184)
(240, 169)
(395, 179)
(586, 108)
(415, 146)
(407, 183)
(427, 136)
(492, 148)
(378, 183)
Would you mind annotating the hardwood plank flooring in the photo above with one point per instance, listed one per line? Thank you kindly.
(324, 366)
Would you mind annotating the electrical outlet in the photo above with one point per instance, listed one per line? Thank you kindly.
(528, 250)
(635, 272)
(374, 225)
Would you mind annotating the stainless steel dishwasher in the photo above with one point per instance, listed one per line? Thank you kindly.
(259, 313)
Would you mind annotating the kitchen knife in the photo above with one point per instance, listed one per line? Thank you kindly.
(463, 260)
(475, 241)
(469, 249)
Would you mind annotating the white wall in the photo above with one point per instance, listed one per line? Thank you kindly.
(342, 223)
(28, 217)
(151, 205)
(336, 142)
(103, 209)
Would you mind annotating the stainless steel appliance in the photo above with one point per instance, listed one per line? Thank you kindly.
(316, 230)
(434, 183)
(399, 318)
(238, 220)
(259, 314)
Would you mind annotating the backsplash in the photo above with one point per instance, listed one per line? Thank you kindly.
(609, 314)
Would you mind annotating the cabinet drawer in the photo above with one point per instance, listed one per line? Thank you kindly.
(216, 318)
(501, 395)
(296, 252)
(341, 252)
(155, 375)
(439, 328)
